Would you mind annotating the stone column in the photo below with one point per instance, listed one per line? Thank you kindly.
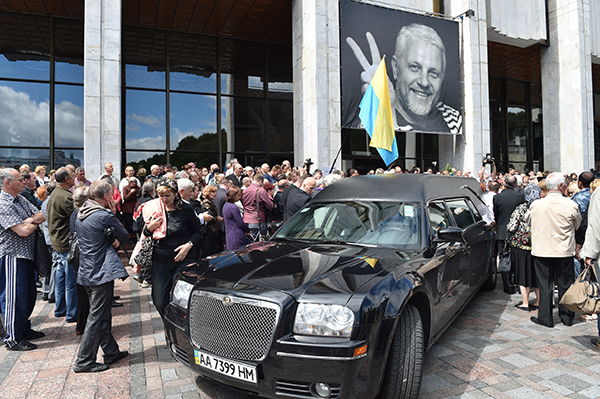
(316, 68)
(102, 87)
(466, 151)
(567, 92)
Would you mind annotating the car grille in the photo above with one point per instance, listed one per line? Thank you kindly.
(232, 327)
(301, 389)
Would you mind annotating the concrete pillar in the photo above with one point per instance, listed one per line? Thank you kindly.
(316, 68)
(466, 151)
(102, 87)
(567, 92)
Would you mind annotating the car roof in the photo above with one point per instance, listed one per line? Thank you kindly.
(405, 187)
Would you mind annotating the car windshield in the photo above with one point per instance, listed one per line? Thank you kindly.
(382, 224)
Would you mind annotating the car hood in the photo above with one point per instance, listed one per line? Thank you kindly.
(311, 271)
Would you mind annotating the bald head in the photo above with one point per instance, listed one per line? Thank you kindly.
(308, 185)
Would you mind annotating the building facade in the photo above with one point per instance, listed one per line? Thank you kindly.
(139, 83)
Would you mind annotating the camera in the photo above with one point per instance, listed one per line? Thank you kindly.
(307, 164)
(489, 160)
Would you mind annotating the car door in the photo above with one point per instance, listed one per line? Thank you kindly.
(477, 242)
(443, 272)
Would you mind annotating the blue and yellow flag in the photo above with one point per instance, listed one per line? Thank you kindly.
(376, 115)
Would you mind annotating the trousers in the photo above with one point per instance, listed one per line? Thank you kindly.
(17, 297)
(65, 289)
(98, 329)
(550, 271)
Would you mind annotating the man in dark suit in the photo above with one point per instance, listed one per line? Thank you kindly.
(504, 205)
(237, 175)
(300, 197)
(282, 184)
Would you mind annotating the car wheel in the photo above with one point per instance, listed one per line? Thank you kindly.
(490, 282)
(404, 368)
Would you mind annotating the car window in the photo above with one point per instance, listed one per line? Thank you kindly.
(385, 224)
(438, 217)
(461, 213)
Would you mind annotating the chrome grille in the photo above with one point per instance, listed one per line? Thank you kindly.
(232, 327)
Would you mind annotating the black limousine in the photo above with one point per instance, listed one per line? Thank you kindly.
(346, 297)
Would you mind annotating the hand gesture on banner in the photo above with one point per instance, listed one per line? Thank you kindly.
(370, 68)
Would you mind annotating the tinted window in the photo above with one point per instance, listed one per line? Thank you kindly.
(384, 224)
(461, 213)
(438, 217)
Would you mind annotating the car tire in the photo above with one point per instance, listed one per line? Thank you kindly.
(404, 370)
(490, 282)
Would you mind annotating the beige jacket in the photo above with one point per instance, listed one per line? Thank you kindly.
(554, 220)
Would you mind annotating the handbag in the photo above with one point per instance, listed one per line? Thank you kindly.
(73, 254)
(576, 299)
(144, 256)
(505, 262)
(42, 257)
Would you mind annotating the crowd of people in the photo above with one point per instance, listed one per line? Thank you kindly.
(547, 221)
(190, 213)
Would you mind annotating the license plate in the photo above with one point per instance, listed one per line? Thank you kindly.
(232, 369)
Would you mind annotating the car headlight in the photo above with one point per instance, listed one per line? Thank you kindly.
(181, 293)
(323, 320)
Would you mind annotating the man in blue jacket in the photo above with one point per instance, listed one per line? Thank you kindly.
(99, 232)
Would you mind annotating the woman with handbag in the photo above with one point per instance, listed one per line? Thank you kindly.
(176, 231)
(520, 241)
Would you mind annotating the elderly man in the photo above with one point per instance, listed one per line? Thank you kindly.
(108, 171)
(59, 208)
(299, 197)
(154, 172)
(18, 220)
(100, 266)
(80, 173)
(418, 69)
(237, 175)
(554, 220)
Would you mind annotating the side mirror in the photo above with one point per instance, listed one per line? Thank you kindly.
(449, 234)
(275, 226)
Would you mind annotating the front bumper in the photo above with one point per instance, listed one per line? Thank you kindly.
(292, 367)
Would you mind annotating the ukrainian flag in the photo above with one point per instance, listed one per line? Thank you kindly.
(376, 115)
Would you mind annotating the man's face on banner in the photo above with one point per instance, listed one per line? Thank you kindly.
(418, 72)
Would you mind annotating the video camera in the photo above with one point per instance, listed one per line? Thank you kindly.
(489, 160)
(307, 164)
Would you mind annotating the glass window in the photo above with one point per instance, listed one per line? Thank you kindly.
(144, 55)
(68, 50)
(65, 157)
(24, 114)
(68, 116)
(11, 157)
(280, 132)
(192, 117)
(144, 159)
(243, 68)
(248, 124)
(461, 213)
(180, 158)
(145, 120)
(381, 224)
(17, 67)
(438, 218)
(193, 63)
(280, 85)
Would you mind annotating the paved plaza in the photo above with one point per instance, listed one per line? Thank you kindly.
(491, 351)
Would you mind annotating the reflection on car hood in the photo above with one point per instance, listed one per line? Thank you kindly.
(321, 270)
